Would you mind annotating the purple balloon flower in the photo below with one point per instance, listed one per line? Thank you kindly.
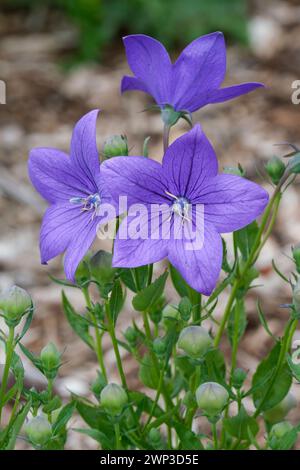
(73, 185)
(192, 82)
(186, 180)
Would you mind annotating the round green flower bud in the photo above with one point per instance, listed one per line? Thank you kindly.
(115, 146)
(280, 429)
(50, 360)
(185, 308)
(211, 397)
(113, 398)
(296, 256)
(14, 303)
(238, 378)
(38, 431)
(280, 411)
(170, 316)
(131, 335)
(275, 169)
(194, 341)
(159, 346)
(101, 267)
(154, 436)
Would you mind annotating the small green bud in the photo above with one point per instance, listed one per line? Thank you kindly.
(296, 256)
(238, 378)
(115, 146)
(280, 429)
(275, 169)
(101, 267)
(50, 360)
(280, 411)
(113, 398)
(194, 341)
(211, 398)
(170, 316)
(159, 346)
(98, 385)
(154, 436)
(185, 308)
(131, 335)
(14, 303)
(38, 431)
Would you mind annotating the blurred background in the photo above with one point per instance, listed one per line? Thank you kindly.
(61, 58)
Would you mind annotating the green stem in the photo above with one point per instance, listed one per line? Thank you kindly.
(285, 346)
(98, 334)
(166, 137)
(112, 333)
(215, 435)
(255, 251)
(118, 436)
(9, 353)
(195, 298)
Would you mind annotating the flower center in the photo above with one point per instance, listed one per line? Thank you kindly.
(181, 206)
(90, 203)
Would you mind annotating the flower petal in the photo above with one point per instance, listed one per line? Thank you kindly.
(199, 267)
(231, 202)
(60, 224)
(84, 152)
(80, 244)
(231, 92)
(141, 238)
(132, 83)
(138, 178)
(52, 175)
(150, 63)
(200, 67)
(188, 162)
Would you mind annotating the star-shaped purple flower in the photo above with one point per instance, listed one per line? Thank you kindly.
(192, 82)
(186, 180)
(74, 187)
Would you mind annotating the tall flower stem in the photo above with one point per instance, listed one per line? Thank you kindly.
(98, 333)
(112, 333)
(166, 136)
(255, 251)
(195, 298)
(9, 354)
(118, 436)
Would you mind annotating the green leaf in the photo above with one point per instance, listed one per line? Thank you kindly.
(148, 373)
(34, 359)
(63, 418)
(245, 239)
(225, 265)
(17, 425)
(287, 441)
(144, 404)
(148, 296)
(116, 301)
(26, 324)
(263, 321)
(178, 282)
(237, 322)
(188, 439)
(272, 391)
(238, 426)
(78, 323)
(98, 436)
(52, 405)
(213, 368)
(95, 417)
(128, 278)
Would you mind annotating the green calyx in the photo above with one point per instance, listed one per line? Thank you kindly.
(15, 302)
(170, 116)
